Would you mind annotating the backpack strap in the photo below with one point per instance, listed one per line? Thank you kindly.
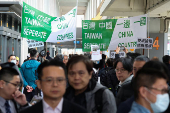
(98, 100)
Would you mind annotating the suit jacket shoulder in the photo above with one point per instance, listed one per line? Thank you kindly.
(37, 108)
(69, 107)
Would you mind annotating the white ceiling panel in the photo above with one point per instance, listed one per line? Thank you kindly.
(67, 5)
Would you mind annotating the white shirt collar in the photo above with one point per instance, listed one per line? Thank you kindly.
(59, 106)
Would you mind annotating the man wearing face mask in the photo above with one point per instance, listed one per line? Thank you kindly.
(151, 92)
(12, 58)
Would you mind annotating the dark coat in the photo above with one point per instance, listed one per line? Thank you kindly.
(112, 80)
(18, 108)
(125, 106)
(48, 58)
(68, 107)
(125, 92)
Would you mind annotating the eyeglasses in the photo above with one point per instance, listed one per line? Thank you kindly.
(163, 91)
(50, 81)
(16, 85)
(121, 70)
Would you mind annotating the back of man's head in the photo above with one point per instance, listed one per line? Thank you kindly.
(158, 66)
(8, 73)
(33, 53)
(48, 53)
(109, 62)
(132, 55)
(103, 56)
(166, 59)
(146, 77)
(142, 58)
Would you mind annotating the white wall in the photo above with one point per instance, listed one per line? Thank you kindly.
(92, 9)
(79, 20)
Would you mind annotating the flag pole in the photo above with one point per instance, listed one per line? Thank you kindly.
(148, 29)
(76, 28)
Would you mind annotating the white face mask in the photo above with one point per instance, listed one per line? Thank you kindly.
(14, 61)
(161, 104)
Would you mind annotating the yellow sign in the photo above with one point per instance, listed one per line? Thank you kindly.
(156, 43)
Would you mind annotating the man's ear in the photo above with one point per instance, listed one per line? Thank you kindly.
(143, 91)
(91, 74)
(38, 82)
(2, 84)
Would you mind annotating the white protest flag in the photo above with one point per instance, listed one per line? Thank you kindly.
(64, 28)
(127, 31)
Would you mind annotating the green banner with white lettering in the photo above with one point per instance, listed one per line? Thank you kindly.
(36, 25)
(110, 33)
(40, 26)
(97, 32)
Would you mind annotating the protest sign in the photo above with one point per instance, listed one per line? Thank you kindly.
(95, 52)
(34, 44)
(121, 54)
(144, 43)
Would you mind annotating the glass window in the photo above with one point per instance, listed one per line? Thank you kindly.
(168, 47)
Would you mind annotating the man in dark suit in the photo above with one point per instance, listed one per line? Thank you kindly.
(52, 82)
(10, 95)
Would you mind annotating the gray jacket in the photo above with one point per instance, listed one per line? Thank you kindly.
(109, 104)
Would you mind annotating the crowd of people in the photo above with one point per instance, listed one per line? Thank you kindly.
(71, 84)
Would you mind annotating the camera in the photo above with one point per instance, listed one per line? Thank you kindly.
(122, 47)
(42, 53)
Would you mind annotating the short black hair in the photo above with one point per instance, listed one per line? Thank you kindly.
(158, 66)
(166, 59)
(142, 58)
(126, 62)
(33, 53)
(7, 73)
(58, 58)
(103, 56)
(53, 62)
(109, 62)
(48, 53)
(79, 58)
(146, 77)
(132, 55)
(10, 56)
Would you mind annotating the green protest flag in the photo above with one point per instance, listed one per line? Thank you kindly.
(97, 32)
(64, 28)
(110, 33)
(36, 25)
